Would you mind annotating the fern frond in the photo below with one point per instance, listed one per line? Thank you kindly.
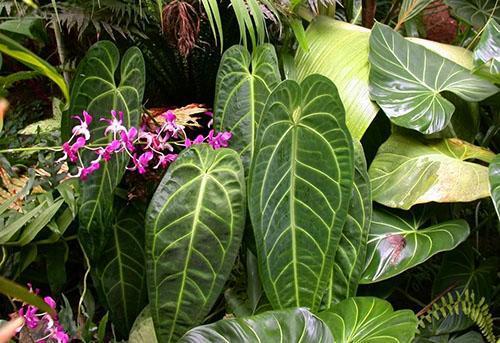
(462, 302)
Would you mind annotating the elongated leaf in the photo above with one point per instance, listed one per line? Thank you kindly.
(290, 325)
(350, 256)
(397, 243)
(13, 227)
(96, 90)
(10, 47)
(475, 12)
(408, 171)
(487, 52)
(368, 319)
(407, 80)
(300, 184)
(194, 227)
(410, 8)
(14, 290)
(494, 176)
(121, 271)
(339, 51)
(39, 222)
(243, 85)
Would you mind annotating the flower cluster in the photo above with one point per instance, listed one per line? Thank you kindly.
(145, 148)
(43, 322)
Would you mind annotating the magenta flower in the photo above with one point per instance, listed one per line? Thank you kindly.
(141, 163)
(83, 128)
(221, 140)
(164, 160)
(115, 124)
(49, 301)
(30, 316)
(128, 138)
(198, 140)
(84, 172)
(171, 125)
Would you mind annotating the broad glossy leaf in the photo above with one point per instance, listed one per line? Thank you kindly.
(244, 82)
(475, 12)
(453, 53)
(121, 270)
(494, 176)
(350, 256)
(398, 243)
(33, 28)
(97, 90)
(339, 51)
(407, 80)
(368, 319)
(290, 325)
(194, 227)
(487, 52)
(300, 185)
(15, 50)
(408, 171)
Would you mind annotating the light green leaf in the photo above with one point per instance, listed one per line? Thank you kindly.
(350, 256)
(457, 54)
(96, 89)
(32, 28)
(143, 330)
(121, 271)
(409, 9)
(368, 319)
(194, 227)
(290, 325)
(339, 51)
(475, 12)
(300, 185)
(487, 52)
(494, 176)
(17, 223)
(40, 222)
(10, 47)
(408, 171)
(46, 125)
(407, 81)
(397, 243)
(243, 85)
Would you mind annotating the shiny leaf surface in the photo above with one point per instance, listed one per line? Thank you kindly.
(494, 176)
(475, 12)
(487, 52)
(194, 227)
(407, 80)
(300, 185)
(398, 243)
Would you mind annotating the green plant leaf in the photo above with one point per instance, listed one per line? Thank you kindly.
(368, 319)
(494, 176)
(487, 52)
(407, 80)
(121, 270)
(350, 256)
(15, 50)
(243, 85)
(345, 47)
(32, 28)
(14, 290)
(475, 12)
(409, 9)
(397, 243)
(194, 227)
(290, 325)
(299, 189)
(96, 90)
(453, 53)
(408, 171)
(143, 330)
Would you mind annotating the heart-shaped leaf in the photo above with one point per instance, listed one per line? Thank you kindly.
(96, 90)
(121, 271)
(407, 80)
(397, 243)
(194, 227)
(487, 52)
(494, 176)
(243, 85)
(368, 319)
(345, 47)
(350, 256)
(408, 171)
(290, 325)
(300, 185)
(475, 12)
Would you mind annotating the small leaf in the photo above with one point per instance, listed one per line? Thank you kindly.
(397, 243)
(494, 176)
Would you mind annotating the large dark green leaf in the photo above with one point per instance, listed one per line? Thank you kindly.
(487, 52)
(300, 185)
(350, 256)
(494, 176)
(291, 325)
(243, 85)
(408, 171)
(339, 51)
(407, 81)
(96, 90)
(368, 319)
(397, 243)
(475, 12)
(121, 271)
(194, 226)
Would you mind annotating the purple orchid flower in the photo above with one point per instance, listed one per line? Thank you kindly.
(164, 160)
(141, 163)
(83, 128)
(115, 124)
(128, 137)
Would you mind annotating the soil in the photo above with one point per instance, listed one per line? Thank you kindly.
(438, 23)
